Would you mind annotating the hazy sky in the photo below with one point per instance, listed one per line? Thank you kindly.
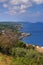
(21, 10)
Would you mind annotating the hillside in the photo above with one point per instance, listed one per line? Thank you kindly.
(28, 57)
(5, 60)
(15, 52)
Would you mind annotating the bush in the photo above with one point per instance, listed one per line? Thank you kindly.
(31, 57)
(20, 44)
(31, 47)
(20, 52)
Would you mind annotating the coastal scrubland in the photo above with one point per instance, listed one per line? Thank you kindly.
(15, 52)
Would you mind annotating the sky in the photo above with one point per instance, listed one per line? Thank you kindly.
(21, 10)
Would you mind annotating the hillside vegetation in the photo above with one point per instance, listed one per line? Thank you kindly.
(21, 56)
(15, 52)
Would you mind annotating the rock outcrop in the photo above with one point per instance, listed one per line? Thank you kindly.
(24, 35)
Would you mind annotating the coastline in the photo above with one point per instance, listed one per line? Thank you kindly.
(24, 35)
(38, 48)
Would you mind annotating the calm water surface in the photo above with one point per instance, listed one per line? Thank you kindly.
(36, 29)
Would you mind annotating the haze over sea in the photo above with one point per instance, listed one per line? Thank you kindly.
(36, 31)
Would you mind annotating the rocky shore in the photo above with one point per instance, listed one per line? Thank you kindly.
(24, 35)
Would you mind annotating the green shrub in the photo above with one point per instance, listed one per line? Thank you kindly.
(20, 52)
(20, 44)
(31, 57)
(31, 47)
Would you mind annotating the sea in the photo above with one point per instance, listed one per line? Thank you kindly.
(36, 31)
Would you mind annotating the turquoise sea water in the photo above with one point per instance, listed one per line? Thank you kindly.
(36, 31)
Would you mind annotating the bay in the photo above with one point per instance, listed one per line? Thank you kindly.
(36, 31)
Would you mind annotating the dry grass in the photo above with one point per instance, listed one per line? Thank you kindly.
(5, 60)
